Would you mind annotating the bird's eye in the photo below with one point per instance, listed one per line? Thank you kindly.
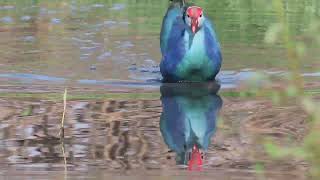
(188, 15)
(200, 15)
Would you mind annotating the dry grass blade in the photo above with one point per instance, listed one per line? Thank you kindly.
(61, 134)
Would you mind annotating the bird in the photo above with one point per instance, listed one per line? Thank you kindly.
(189, 45)
(188, 119)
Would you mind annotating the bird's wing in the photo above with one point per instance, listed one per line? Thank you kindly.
(172, 46)
(212, 42)
(212, 45)
(173, 14)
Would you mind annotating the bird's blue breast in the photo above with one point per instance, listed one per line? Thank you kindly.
(196, 65)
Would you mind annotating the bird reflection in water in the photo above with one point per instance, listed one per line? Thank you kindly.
(188, 120)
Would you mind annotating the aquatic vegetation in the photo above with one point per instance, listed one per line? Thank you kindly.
(89, 42)
(296, 50)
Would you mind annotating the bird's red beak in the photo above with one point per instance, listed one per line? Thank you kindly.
(194, 25)
(196, 160)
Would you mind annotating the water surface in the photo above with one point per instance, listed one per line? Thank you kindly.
(153, 136)
(120, 119)
(110, 40)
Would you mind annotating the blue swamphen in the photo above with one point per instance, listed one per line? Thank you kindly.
(189, 46)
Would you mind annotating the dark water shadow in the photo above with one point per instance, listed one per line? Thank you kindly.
(188, 119)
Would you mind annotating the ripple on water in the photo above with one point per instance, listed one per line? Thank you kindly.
(52, 12)
(7, 7)
(81, 126)
(109, 22)
(118, 7)
(125, 44)
(55, 21)
(149, 70)
(7, 20)
(33, 151)
(124, 23)
(79, 150)
(97, 5)
(15, 159)
(82, 9)
(25, 18)
(316, 74)
(79, 40)
(113, 24)
(93, 67)
(43, 11)
(29, 38)
(88, 48)
(85, 56)
(104, 56)
(32, 77)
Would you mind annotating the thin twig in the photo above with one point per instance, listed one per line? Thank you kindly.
(61, 134)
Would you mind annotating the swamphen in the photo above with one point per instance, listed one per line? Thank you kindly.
(189, 46)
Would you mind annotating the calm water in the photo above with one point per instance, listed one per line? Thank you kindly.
(75, 41)
(155, 136)
(95, 46)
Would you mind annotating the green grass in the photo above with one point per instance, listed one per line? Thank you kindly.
(27, 112)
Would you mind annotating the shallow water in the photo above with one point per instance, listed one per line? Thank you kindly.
(63, 41)
(153, 137)
(121, 121)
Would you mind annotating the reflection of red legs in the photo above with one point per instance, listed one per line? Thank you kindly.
(196, 160)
